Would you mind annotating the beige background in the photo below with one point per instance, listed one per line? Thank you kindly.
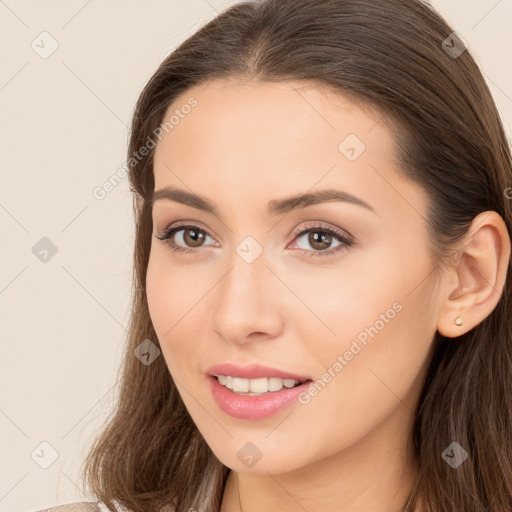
(64, 132)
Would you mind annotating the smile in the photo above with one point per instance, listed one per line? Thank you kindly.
(250, 405)
(256, 387)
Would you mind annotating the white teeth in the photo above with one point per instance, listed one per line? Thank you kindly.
(226, 381)
(256, 386)
(289, 383)
(240, 385)
(275, 384)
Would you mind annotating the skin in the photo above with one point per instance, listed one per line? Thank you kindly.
(246, 143)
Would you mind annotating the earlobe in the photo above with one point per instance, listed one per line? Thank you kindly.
(475, 281)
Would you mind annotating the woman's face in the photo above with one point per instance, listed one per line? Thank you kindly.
(355, 315)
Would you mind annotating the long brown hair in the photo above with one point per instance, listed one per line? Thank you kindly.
(398, 57)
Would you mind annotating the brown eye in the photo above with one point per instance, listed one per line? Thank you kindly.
(193, 237)
(184, 238)
(319, 240)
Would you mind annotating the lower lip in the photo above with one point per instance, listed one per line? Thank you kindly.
(254, 407)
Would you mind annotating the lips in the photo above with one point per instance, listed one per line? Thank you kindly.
(253, 371)
(245, 406)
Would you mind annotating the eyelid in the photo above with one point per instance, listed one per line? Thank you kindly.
(344, 237)
(321, 225)
(184, 224)
(296, 232)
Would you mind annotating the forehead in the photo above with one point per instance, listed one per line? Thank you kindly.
(283, 111)
(267, 139)
(241, 121)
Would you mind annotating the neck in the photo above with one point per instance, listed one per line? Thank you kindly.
(372, 474)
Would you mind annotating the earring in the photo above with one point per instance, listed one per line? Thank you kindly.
(458, 321)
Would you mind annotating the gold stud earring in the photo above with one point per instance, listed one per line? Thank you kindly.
(458, 321)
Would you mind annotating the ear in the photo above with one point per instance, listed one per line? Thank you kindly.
(474, 282)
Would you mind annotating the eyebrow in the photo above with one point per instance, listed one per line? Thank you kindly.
(274, 207)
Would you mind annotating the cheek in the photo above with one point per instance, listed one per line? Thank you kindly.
(372, 367)
(174, 303)
(380, 314)
(163, 295)
(169, 290)
(159, 302)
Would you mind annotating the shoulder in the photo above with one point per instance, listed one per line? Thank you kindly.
(83, 506)
(91, 506)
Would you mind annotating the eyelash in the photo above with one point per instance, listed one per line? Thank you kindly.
(346, 242)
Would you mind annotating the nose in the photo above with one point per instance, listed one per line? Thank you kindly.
(246, 302)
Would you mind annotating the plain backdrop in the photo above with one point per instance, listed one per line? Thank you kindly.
(70, 75)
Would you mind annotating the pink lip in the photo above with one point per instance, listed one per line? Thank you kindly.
(253, 407)
(252, 371)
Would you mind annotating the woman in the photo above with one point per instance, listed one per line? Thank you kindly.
(375, 375)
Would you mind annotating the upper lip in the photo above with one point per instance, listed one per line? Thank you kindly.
(253, 371)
